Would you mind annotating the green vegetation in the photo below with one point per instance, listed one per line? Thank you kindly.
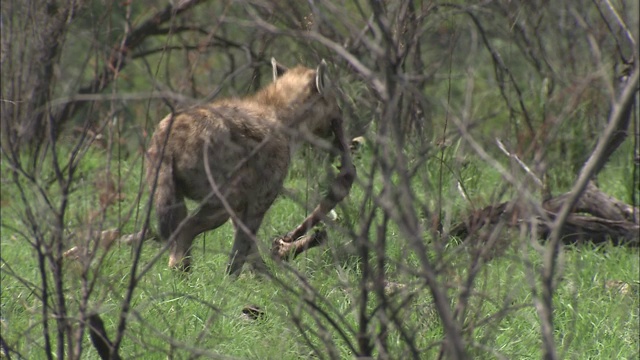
(432, 86)
(173, 312)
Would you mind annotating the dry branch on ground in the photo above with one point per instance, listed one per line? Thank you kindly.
(596, 218)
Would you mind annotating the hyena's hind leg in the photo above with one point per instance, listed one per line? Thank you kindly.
(170, 231)
(245, 248)
(206, 218)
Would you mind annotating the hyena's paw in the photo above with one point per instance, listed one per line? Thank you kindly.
(259, 267)
(182, 264)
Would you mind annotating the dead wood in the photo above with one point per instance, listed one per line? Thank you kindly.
(106, 239)
(598, 204)
(99, 339)
(253, 312)
(597, 218)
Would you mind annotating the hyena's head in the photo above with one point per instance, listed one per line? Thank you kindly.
(304, 97)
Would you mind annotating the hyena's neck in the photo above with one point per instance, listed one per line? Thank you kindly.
(284, 112)
(269, 97)
(286, 116)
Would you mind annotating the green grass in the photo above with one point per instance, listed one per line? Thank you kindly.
(173, 313)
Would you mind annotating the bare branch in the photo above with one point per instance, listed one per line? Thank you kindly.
(596, 160)
(119, 57)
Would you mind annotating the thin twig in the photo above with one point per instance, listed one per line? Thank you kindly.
(596, 158)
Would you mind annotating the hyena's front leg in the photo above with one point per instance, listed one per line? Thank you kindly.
(245, 248)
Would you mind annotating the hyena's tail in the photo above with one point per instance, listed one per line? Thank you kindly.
(168, 202)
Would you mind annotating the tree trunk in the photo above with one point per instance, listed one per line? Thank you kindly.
(31, 40)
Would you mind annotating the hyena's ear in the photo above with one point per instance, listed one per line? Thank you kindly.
(322, 82)
(278, 70)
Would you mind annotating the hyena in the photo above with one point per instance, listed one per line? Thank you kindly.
(232, 156)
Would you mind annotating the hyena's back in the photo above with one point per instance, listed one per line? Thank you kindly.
(246, 159)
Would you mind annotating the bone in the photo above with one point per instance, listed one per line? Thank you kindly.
(339, 188)
(288, 250)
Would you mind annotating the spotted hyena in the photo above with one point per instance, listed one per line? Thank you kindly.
(232, 156)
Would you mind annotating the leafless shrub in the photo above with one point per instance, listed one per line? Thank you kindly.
(413, 81)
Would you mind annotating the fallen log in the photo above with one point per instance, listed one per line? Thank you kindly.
(596, 218)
